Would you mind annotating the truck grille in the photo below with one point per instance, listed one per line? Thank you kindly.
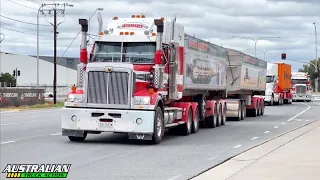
(301, 89)
(108, 88)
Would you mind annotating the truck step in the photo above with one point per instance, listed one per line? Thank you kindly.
(172, 109)
(175, 124)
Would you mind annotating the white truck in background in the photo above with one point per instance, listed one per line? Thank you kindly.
(300, 86)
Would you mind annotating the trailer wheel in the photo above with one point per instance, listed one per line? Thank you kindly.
(255, 111)
(78, 139)
(158, 127)
(262, 108)
(243, 109)
(186, 128)
(201, 100)
(195, 123)
(219, 119)
(272, 100)
(211, 121)
(224, 115)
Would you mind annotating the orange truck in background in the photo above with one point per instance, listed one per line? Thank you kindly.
(278, 84)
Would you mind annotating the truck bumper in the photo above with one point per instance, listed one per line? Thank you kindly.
(267, 98)
(77, 120)
(296, 97)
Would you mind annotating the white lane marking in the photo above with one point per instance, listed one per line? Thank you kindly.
(7, 142)
(237, 146)
(254, 138)
(266, 132)
(175, 177)
(276, 127)
(212, 158)
(283, 123)
(55, 134)
(300, 112)
(307, 120)
(27, 122)
(35, 136)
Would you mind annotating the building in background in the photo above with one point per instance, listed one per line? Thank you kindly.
(27, 65)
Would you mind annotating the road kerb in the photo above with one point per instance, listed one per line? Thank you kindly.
(245, 159)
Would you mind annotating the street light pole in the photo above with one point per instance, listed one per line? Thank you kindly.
(255, 42)
(317, 62)
(38, 44)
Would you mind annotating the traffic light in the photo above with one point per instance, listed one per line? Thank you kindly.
(283, 56)
(18, 72)
(14, 73)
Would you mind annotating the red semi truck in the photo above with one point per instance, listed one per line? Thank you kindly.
(146, 75)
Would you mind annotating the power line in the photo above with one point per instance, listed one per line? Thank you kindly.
(23, 21)
(22, 5)
(6, 24)
(29, 33)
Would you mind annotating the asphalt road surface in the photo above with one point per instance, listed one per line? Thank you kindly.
(34, 137)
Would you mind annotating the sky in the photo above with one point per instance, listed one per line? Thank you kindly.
(216, 21)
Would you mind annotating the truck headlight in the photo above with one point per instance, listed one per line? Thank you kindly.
(75, 98)
(138, 100)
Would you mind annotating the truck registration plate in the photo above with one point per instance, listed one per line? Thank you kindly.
(106, 125)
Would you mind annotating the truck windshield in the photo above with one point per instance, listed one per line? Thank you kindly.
(269, 79)
(299, 81)
(132, 52)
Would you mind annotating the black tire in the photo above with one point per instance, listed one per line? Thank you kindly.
(78, 139)
(272, 101)
(186, 128)
(262, 108)
(201, 100)
(254, 112)
(242, 110)
(224, 115)
(212, 120)
(219, 119)
(195, 123)
(158, 133)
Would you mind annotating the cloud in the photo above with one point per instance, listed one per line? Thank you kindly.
(216, 21)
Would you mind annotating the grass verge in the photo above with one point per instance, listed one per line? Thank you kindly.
(47, 104)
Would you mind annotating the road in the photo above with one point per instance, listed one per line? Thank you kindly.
(34, 137)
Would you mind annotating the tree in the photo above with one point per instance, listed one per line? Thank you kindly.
(8, 79)
(310, 69)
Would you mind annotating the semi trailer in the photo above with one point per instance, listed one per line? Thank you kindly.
(278, 85)
(144, 76)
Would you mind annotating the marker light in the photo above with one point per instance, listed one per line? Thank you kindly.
(162, 18)
(115, 18)
(143, 16)
(101, 33)
(138, 16)
(133, 16)
(121, 33)
(154, 34)
(126, 33)
(131, 33)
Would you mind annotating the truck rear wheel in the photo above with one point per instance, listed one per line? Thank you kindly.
(201, 100)
(224, 115)
(211, 121)
(195, 123)
(186, 128)
(243, 110)
(158, 127)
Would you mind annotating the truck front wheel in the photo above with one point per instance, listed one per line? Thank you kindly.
(78, 139)
(158, 127)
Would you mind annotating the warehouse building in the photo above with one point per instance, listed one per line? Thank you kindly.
(27, 65)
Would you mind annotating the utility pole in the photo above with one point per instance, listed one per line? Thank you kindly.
(56, 10)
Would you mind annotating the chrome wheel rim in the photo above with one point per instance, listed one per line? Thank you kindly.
(159, 125)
